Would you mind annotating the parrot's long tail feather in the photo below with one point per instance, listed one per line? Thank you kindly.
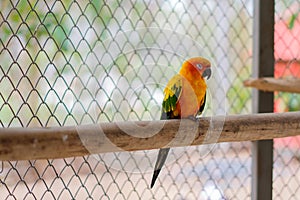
(161, 159)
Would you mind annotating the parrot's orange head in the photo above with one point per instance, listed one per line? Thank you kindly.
(197, 65)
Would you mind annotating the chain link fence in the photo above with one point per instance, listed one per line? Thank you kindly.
(70, 63)
(287, 56)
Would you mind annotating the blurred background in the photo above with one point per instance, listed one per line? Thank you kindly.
(69, 63)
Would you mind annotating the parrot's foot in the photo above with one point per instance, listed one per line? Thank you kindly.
(193, 118)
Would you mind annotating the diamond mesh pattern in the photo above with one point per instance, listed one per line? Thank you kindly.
(68, 62)
(287, 54)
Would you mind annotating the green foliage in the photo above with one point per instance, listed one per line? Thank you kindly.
(292, 20)
(294, 103)
(238, 95)
(291, 101)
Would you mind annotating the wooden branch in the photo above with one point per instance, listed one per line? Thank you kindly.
(272, 84)
(62, 142)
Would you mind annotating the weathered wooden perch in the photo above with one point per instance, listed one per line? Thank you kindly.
(62, 142)
(273, 84)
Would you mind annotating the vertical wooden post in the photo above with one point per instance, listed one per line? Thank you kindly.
(263, 56)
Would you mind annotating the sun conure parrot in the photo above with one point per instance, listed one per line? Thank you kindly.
(184, 97)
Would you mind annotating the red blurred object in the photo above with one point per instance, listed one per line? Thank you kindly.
(287, 41)
(288, 68)
(287, 64)
(287, 49)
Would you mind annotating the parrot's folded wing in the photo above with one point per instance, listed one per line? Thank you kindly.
(172, 93)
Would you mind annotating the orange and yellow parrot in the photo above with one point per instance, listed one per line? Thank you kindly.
(185, 96)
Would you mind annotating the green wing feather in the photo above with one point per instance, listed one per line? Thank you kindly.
(172, 93)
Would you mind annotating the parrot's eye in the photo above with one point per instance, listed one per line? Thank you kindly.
(199, 66)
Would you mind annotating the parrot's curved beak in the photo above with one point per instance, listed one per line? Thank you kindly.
(206, 73)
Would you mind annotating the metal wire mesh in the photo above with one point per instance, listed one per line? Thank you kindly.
(68, 62)
(287, 54)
